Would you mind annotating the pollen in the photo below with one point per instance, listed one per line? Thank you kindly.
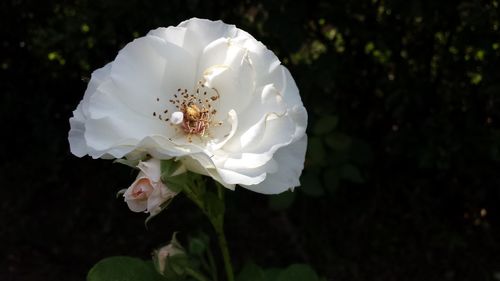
(194, 115)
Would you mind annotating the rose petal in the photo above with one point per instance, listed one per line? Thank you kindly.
(134, 202)
(207, 31)
(290, 162)
(151, 169)
(255, 116)
(226, 67)
(78, 145)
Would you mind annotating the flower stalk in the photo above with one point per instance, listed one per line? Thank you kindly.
(196, 275)
(225, 253)
(212, 205)
(221, 236)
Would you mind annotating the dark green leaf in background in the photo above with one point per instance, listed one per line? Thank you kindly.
(121, 268)
(251, 272)
(298, 272)
(325, 125)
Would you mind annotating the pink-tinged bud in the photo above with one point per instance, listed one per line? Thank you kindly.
(148, 193)
(171, 260)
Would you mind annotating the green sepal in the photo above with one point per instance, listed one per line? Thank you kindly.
(169, 168)
(130, 163)
(177, 183)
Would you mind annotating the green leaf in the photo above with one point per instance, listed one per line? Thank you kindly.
(121, 268)
(325, 125)
(251, 272)
(298, 272)
(197, 246)
(280, 202)
(351, 173)
(271, 274)
(316, 151)
(338, 141)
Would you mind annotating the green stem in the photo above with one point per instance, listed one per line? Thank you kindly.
(220, 191)
(225, 252)
(218, 224)
(211, 261)
(195, 274)
(196, 192)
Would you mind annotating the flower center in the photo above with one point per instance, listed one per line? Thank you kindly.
(195, 111)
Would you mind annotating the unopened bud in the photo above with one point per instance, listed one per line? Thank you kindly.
(171, 259)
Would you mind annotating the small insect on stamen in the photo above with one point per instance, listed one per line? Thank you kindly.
(194, 114)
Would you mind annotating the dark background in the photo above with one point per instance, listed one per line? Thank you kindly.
(402, 172)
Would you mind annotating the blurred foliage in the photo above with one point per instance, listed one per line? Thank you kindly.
(402, 172)
(123, 269)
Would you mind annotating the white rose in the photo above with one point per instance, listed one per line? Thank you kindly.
(204, 92)
(147, 193)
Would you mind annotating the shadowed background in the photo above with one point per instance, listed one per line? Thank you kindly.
(402, 171)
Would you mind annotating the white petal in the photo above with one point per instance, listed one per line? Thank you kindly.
(270, 71)
(266, 64)
(78, 145)
(202, 164)
(98, 77)
(101, 135)
(289, 89)
(135, 205)
(226, 68)
(268, 104)
(299, 116)
(148, 72)
(222, 134)
(76, 138)
(290, 160)
(208, 31)
(159, 196)
(173, 34)
(151, 168)
(234, 177)
(277, 133)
